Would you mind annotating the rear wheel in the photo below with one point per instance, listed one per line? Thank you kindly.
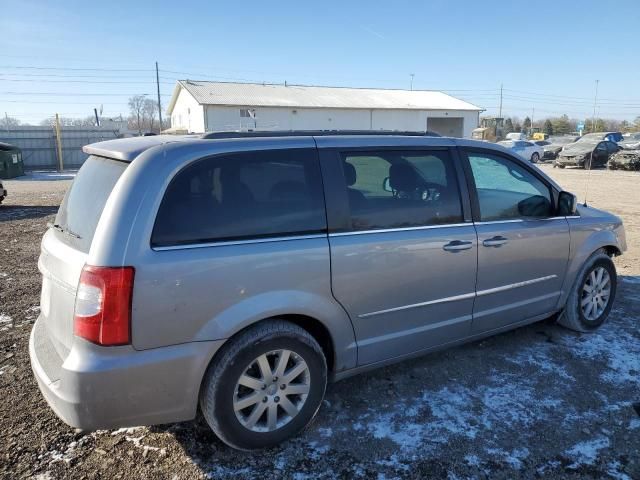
(265, 385)
(535, 158)
(592, 296)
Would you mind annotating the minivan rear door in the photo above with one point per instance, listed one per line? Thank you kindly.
(65, 246)
(403, 252)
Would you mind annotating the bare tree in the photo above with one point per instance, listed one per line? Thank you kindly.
(136, 107)
(9, 122)
(150, 108)
(88, 121)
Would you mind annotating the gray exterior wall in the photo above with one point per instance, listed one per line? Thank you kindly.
(38, 144)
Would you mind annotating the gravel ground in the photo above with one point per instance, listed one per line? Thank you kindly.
(539, 401)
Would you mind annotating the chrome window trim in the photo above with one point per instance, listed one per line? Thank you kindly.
(402, 229)
(249, 241)
(518, 220)
(464, 296)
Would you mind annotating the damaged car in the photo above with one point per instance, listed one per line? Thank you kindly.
(586, 153)
(631, 141)
(553, 145)
(625, 159)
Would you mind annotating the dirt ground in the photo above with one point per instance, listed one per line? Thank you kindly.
(539, 401)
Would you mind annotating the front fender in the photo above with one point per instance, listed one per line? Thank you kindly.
(587, 236)
(288, 302)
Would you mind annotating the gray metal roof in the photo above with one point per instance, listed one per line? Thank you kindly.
(301, 96)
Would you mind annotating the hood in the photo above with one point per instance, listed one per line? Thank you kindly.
(552, 148)
(632, 143)
(579, 148)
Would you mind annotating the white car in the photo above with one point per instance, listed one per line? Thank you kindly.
(527, 150)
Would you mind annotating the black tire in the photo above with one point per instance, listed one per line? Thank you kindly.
(535, 158)
(221, 378)
(573, 317)
(560, 165)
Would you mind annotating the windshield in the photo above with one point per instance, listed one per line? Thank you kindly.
(83, 204)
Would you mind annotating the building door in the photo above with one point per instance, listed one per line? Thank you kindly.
(447, 126)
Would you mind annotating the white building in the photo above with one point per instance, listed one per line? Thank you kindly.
(197, 107)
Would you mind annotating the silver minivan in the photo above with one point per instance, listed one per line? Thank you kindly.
(239, 275)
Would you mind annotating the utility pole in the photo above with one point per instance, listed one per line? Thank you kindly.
(159, 104)
(500, 114)
(595, 102)
(411, 82)
(59, 145)
(95, 112)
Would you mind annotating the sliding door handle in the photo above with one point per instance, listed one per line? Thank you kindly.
(457, 245)
(496, 241)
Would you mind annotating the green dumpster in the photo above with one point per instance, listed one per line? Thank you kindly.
(11, 164)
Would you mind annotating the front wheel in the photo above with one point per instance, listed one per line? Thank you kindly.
(592, 295)
(535, 157)
(265, 385)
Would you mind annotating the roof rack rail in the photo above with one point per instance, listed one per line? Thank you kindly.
(311, 133)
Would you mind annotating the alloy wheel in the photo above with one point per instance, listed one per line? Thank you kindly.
(271, 391)
(596, 293)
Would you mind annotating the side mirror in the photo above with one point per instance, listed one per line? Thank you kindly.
(386, 185)
(567, 204)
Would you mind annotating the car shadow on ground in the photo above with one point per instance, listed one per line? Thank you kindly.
(462, 397)
(24, 212)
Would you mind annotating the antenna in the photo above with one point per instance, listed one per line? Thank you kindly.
(593, 129)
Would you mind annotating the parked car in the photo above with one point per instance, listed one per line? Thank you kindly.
(625, 159)
(3, 192)
(597, 136)
(631, 141)
(553, 145)
(586, 154)
(527, 150)
(238, 275)
(516, 136)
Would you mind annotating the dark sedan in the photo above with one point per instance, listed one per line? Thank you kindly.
(586, 154)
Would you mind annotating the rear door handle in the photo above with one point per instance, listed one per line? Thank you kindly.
(497, 241)
(457, 245)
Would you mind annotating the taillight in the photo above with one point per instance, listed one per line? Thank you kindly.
(103, 305)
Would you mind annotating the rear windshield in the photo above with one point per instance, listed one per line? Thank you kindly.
(83, 204)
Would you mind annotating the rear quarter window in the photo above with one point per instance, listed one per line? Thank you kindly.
(242, 196)
(84, 202)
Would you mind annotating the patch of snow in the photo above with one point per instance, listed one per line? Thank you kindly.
(129, 431)
(621, 352)
(472, 460)
(634, 423)
(325, 432)
(513, 459)
(635, 280)
(586, 453)
(613, 470)
(5, 318)
(539, 358)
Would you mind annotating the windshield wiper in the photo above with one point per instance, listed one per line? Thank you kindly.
(60, 228)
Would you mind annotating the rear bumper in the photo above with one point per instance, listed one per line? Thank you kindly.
(112, 387)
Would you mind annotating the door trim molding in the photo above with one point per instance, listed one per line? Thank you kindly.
(464, 296)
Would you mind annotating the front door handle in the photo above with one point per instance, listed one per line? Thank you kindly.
(496, 241)
(457, 245)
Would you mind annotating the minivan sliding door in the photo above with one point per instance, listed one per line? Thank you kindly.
(403, 259)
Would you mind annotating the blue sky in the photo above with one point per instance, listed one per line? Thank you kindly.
(74, 55)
